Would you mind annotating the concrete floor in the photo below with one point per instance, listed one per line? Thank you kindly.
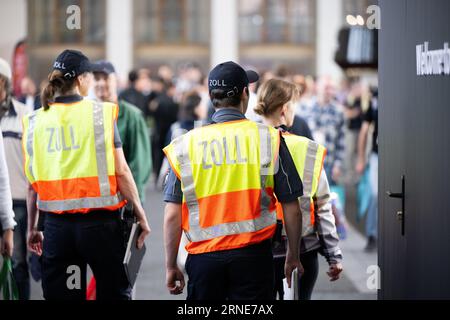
(151, 281)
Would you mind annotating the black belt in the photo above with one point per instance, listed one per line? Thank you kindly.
(12, 134)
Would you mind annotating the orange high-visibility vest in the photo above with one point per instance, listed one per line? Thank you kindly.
(226, 172)
(308, 158)
(69, 157)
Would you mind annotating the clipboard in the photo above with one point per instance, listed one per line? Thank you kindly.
(133, 256)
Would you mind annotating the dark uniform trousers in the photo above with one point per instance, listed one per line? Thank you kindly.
(239, 274)
(73, 241)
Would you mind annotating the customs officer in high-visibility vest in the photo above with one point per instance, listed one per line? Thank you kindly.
(79, 181)
(221, 190)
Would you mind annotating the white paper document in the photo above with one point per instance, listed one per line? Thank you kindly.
(291, 293)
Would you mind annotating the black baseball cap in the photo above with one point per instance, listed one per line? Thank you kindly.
(230, 77)
(103, 66)
(72, 63)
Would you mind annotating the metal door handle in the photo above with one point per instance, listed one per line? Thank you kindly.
(395, 195)
(401, 195)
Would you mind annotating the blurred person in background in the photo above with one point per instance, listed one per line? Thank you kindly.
(189, 76)
(138, 87)
(283, 72)
(131, 124)
(171, 90)
(202, 90)
(276, 104)
(11, 128)
(300, 126)
(370, 124)
(192, 110)
(251, 114)
(300, 81)
(29, 94)
(7, 222)
(326, 121)
(164, 110)
(159, 86)
(309, 95)
(344, 92)
(265, 75)
(353, 117)
(166, 73)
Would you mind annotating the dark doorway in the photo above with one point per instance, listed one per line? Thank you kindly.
(414, 142)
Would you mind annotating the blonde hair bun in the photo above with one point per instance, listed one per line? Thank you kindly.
(273, 94)
(260, 108)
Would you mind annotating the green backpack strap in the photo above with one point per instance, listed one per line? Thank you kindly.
(8, 286)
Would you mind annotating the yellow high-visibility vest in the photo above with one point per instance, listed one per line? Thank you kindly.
(69, 156)
(308, 158)
(226, 172)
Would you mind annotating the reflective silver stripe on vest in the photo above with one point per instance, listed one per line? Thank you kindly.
(100, 150)
(305, 208)
(265, 149)
(308, 176)
(30, 142)
(308, 170)
(266, 219)
(196, 233)
(82, 203)
(182, 154)
(305, 204)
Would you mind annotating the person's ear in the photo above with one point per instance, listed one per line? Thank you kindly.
(79, 80)
(284, 109)
(246, 91)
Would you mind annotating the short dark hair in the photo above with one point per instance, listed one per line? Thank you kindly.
(132, 76)
(220, 99)
(191, 101)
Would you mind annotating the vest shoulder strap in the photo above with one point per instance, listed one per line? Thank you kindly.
(308, 157)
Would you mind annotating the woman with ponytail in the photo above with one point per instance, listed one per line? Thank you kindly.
(59, 85)
(79, 181)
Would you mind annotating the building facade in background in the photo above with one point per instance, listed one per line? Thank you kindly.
(299, 34)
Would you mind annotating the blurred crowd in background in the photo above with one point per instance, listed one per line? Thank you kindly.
(330, 112)
(158, 104)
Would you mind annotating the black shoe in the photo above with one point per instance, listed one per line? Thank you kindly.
(371, 245)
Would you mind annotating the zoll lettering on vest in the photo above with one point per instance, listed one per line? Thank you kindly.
(227, 178)
(57, 141)
(432, 62)
(53, 142)
(217, 150)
